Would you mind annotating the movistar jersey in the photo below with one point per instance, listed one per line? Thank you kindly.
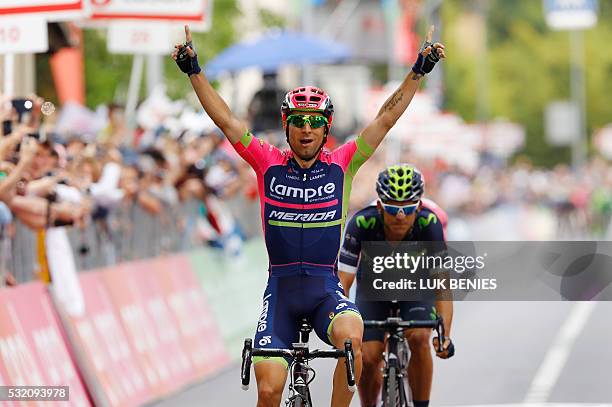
(303, 211)
(367, 226)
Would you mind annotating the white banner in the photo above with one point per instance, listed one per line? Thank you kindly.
(139, 38)
(571, 14)
(52, 10)
(173, 10)
(603, 141)
(21, 34)
(562, 123)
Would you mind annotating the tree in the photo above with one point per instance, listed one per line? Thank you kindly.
(528, 67)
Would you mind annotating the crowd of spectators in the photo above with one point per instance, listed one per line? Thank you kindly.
(51, 179)
(578, 201)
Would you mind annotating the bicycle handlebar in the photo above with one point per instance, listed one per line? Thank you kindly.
(248, 352)
(393, 324)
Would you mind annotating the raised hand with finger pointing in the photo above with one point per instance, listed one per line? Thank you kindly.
(185, 55)
(429, 55)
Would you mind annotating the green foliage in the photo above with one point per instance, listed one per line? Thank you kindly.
(270, 19)
(528, 67)
(221, 35)
(44, 79)
(107, 75)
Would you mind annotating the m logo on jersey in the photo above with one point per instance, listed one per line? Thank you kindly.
(366, 224)
(423, 223)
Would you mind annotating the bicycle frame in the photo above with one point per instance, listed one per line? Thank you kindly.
(395, 365)
(299, 370)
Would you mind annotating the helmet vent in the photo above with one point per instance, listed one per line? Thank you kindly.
(300, 98)
(315, 99)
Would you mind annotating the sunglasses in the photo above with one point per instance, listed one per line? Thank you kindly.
(300, 120)
(406, 210)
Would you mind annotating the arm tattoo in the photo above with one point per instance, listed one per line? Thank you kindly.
(393, 101)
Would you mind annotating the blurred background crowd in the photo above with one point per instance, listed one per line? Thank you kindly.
(99, 169)
(116, 195)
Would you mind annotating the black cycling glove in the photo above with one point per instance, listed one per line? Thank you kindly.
(187, 64)
(425, 64)
(451, 348)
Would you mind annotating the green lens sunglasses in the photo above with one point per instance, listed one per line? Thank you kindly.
(300, 120)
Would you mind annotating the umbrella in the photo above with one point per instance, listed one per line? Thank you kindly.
(274, 49)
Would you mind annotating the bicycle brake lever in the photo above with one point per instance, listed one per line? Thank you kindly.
(440, 330)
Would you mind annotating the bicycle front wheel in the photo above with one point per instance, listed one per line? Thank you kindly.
(390, 397)
(300, 402)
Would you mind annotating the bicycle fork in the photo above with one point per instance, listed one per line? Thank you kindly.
(394, 375)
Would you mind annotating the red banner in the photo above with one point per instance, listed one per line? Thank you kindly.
(106, 357)
(53, 10)
(36, 6)
(150, 327)
(32, 347)
(147, 331)
(199, 331)
(197, 11)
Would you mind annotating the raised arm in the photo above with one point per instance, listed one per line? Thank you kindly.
(397, 103)
(214, 105)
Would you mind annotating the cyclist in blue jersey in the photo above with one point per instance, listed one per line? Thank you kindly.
(304, 202)
(400, 214)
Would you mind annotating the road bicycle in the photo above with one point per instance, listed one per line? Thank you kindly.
(395, 391)
(301, 375)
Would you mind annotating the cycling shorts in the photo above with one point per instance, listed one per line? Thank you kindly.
(288, 299)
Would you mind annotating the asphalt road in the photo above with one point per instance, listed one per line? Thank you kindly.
(507, 353)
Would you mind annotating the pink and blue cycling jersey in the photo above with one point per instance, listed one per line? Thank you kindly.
(303, 210)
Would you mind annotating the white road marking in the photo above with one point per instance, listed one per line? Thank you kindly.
(550, 369)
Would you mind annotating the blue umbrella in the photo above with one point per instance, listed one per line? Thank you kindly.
(274, 49)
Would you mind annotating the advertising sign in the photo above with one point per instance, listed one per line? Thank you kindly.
(197, 326)
(52, 10)
(196, 11)
(23, 34)
(32, 347)
(571, 14)
(105, 356)
(137, 37)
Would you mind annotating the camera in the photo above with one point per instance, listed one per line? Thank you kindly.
(22, 106)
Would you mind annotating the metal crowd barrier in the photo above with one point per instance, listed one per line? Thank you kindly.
(126, 233)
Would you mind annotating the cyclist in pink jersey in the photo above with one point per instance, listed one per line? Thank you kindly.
(304, 201)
